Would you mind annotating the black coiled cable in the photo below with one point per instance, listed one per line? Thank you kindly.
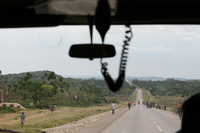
(116, 86)
(124, 54)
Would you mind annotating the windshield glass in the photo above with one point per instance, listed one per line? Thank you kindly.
(42, 87)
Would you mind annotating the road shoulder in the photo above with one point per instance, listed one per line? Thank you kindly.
(85, 125)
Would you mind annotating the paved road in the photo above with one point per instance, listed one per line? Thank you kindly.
(137, 120)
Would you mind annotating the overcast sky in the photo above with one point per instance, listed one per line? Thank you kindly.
(156, 50)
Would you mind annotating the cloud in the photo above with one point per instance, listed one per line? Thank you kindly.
(188, 30)
(187, 39)
(153, 47)
(160, 50)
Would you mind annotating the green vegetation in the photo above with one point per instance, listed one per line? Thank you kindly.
(170, 87)
(4, 105)
(146, 95)
(46, 119)
(75, 99)
(133, 96)
(40, 89)
(169, 101)
(169, 92)
(8, 110)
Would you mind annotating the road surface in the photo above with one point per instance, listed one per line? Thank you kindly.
(137, 120)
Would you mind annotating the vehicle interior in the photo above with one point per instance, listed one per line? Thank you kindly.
(99, 15)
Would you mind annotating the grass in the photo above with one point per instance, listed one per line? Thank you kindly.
(170, 101)
(133, 96)
(46, 119)
(146, 95)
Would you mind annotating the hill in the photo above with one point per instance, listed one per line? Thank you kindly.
(152, 78)
(37, 75)
(130, 78)
(43, 87)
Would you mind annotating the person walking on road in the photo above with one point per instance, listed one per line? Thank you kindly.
(129, 105)
(22, 118)
(113, 107)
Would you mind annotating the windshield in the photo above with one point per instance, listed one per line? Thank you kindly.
(43, 89)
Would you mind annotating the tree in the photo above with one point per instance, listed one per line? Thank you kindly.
(36, 89)
(4, 86)
(47, 91)
(52, 75)
(186, 90)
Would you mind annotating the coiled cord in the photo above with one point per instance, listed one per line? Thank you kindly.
(124, 54)
(116, 86)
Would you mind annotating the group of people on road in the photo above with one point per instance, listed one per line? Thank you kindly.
(177, 109)
(154, 105)
(162, 107)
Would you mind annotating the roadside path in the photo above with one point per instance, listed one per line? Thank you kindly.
(89, 124)
(27, 118)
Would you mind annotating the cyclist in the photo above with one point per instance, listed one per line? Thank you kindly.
(129, 105)
(175, 109)
(180, 109)
(52, 108)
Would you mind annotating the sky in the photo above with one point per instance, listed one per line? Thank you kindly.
(155, 50)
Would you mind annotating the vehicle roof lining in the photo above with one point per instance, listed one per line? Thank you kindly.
(138, 12)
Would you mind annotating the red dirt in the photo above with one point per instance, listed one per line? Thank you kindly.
(8, 116)
(27, 118)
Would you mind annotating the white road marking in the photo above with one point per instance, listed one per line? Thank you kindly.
(154, 122)
(152, 118)
(159, 128)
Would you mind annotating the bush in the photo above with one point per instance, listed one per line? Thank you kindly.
(10, 110)
(4, 105)
(31, 107)
(12, 101)
(25, 103)
(7, 110)
(79, 104)
(11, 105)
(38, 106)
(1, 108)
(114, 100)
(46, 104)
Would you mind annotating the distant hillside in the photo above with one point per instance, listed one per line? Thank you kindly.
(153, 78)
(85, 77)
(130, 78)
(37, 75)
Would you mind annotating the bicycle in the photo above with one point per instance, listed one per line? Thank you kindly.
(180, 114)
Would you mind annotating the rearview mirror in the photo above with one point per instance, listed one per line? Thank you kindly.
(92, 51)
